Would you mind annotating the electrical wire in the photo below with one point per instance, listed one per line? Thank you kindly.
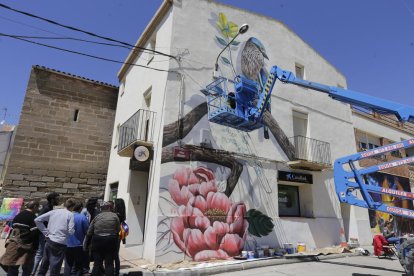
(82, 31)
(83, 54)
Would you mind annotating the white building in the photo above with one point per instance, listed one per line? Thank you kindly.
(204, 182)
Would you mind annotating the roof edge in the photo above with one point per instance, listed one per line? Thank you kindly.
(152, 25)
(44, 68)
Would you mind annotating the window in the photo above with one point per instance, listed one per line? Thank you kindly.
(288, 201)
(122, 89)
(152, 46)
(366, 141)
(76, 115)
(147, 98)
(117, 135)
(300, 71)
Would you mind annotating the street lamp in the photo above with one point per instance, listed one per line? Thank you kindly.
(242, 30)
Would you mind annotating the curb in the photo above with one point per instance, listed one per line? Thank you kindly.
(234, 267)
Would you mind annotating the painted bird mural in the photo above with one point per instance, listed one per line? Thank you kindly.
(252, 63)
(252, 60)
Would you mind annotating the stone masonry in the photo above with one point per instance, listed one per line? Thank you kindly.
(63, 138)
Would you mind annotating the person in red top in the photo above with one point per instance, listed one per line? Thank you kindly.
(379, 249)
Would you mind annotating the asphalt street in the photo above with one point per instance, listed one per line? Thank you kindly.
(354, 266)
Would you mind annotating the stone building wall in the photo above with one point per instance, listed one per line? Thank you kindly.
(63, 138)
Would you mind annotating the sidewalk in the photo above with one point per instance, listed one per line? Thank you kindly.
(132, 265)
(188, 268)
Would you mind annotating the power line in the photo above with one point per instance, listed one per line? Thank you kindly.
(82, 31)
(82, 54)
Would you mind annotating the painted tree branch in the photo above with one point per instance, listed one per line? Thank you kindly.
(209, 155)
(279, 135)
(180, 129)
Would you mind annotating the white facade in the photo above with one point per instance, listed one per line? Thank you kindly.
(154, 208)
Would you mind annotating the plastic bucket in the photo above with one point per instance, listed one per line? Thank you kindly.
(250, 254)
(244, 254)
(260, 253)
(289, 248)
(271, 252)
(301, 247)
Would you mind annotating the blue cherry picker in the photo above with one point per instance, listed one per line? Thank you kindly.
(243, 109)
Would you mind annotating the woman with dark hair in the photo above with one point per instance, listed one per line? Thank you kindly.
(120, 212)
(23, 242)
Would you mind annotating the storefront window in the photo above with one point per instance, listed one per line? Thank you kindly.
(289, 201)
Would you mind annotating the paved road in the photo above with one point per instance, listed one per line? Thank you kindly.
(354, 266)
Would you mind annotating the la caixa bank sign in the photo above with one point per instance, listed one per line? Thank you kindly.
(295, 177)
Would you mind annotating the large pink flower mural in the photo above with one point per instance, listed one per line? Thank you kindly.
(209, 225)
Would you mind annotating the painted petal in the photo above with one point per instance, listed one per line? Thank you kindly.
(232, 244)
(236, 219)
(194, 188)
(205, 174)
(202, 223)
(233, 29)
(222, 19)
(185, 176)
(207, 187)
(218, 201)
(180, 196)
(195, 241)
(177, 230)
(210, 254)
(211, 238)
(199, 202)
(221, 228)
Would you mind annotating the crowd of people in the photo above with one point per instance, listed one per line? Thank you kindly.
(40, 241)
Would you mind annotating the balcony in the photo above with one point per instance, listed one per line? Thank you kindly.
(310, 154)
(137, 130)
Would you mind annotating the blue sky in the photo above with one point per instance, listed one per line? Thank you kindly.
(371, 42)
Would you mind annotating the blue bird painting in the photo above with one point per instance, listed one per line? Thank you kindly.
(252, 60)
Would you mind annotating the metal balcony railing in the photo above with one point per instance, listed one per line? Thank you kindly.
(138, 129)
(312, 150)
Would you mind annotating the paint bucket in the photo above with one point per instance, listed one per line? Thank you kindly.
(271, 252)
(250, 254)
(265, 250)
(244, 254)
(301, 247)
(260, 253)
(289, 248)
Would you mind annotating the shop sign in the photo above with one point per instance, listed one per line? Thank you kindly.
(295, 177)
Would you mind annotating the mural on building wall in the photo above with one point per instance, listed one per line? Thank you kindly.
(378, 219)
(207, 193)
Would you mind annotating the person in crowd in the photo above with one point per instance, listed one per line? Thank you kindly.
(119, 210)
(389, 233)
(53, 199)
(91, 210)
(60, 226)
(74, 256)
(23, 242)
(103, 240)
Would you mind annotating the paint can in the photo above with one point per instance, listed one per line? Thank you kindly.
(260, 253)
(250, 254)
(244, 254)
(301, 247)
(265, 250)
(289, 248)
(271, 252)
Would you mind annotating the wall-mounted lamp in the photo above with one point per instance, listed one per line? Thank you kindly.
(243, 28)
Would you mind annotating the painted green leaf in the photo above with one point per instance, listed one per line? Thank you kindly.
(221, 41)
(225, 60)
(260, 225)
(235, 43)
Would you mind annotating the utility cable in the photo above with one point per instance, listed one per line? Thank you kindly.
(83, 54)
(82, 31)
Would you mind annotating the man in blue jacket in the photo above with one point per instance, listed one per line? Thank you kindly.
(75, 256)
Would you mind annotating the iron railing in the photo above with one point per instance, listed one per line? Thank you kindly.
(139, 127)
(311, 150)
